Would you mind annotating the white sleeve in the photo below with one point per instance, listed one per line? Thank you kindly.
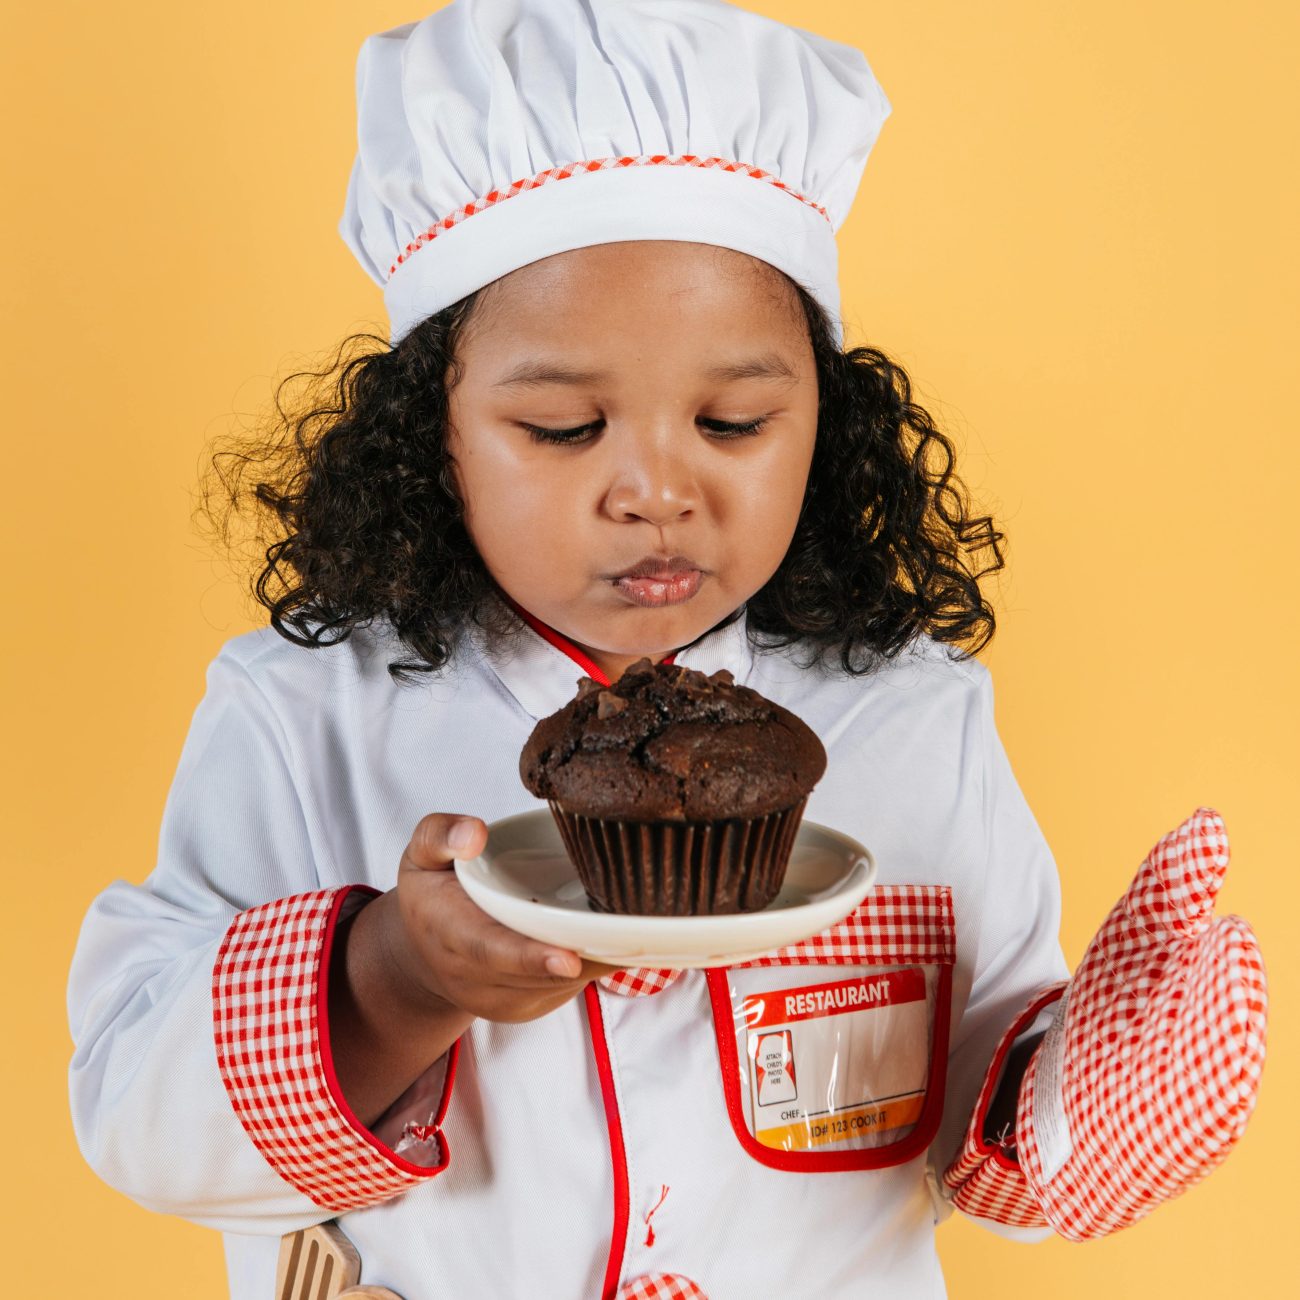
(191, 993)
(1019, 970)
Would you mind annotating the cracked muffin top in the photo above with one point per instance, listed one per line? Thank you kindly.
(667, 743)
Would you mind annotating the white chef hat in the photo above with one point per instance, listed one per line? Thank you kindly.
(497, 132)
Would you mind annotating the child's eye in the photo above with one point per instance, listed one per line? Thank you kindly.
(722, 428)
(566, 436)
(726, 430)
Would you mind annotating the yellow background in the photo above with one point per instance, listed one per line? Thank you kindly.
(1077, 231)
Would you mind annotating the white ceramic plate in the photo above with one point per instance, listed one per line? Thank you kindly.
(525, 880)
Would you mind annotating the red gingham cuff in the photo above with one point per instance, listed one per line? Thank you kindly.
(986, 1178)
(269, 987)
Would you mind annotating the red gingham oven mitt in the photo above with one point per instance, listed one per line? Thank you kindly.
(1151, 1066)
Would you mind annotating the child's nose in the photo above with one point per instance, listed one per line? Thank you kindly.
(653, 485)
(660, 506)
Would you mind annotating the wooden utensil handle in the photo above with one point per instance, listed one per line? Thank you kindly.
(320, 1263)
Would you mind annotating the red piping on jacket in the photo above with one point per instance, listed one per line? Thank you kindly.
(618, 1155)
(562, 642)
(327, 1055)
(595, 1018)
(995, 1150)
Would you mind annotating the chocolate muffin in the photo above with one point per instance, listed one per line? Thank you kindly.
(676, 794)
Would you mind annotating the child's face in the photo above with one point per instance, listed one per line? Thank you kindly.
(556, 523)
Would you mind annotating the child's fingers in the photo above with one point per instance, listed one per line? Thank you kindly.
(481, 942)
(440, 838)
(511, 956)
(482, 951)
(520, 962)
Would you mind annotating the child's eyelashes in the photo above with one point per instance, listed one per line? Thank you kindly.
(722, 429)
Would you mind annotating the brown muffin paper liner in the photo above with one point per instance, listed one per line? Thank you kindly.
(680, 868)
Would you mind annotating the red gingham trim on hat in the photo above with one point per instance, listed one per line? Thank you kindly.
(268, 988)
(893, 924)
(1161, 1048)
(986, 1177)
(662, 1286)
(562, 171)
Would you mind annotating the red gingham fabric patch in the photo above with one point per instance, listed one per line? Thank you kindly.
(265, 987)
(985, 1177)
(662, 1286)
(563, 171)
(638, 981)
(893, 924)
(1158, 1056)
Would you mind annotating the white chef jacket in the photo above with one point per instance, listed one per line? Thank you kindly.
(614, 1138)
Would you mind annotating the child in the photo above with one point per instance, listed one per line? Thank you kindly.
(300, 1015)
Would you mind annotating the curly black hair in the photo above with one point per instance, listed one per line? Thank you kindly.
(356, 516)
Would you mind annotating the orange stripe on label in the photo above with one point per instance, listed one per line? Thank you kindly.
(844, 1125)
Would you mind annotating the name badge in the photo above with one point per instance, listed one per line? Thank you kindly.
(834, 1052)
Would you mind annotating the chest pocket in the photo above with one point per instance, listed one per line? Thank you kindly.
(834, 1051)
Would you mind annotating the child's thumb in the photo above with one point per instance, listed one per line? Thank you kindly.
(441, 837)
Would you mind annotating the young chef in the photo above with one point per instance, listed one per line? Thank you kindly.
(299, 1015)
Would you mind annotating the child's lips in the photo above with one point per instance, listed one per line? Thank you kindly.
(660, 567)
(666, 589)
